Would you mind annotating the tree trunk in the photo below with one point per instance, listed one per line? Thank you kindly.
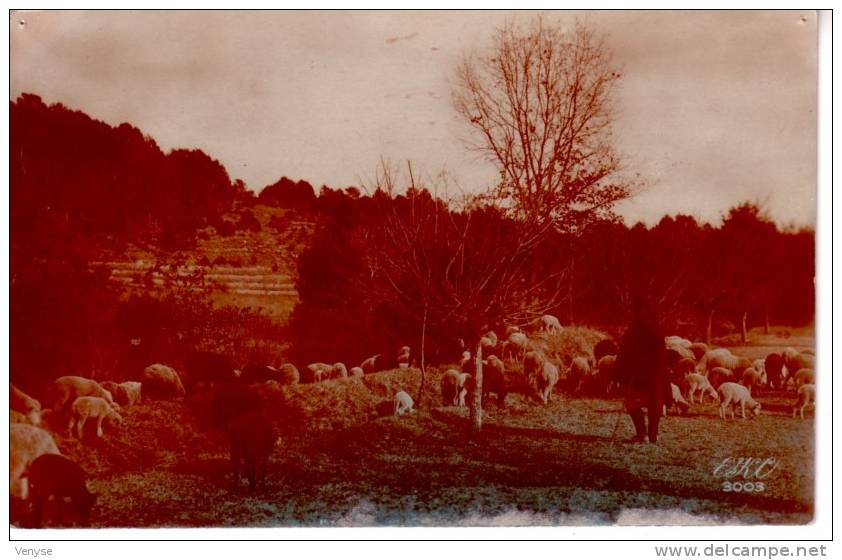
(423, 357)
(766, 322)
(709, 330)
(476, 400)
(743, 330)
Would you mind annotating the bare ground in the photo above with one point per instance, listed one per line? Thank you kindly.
(564, 463)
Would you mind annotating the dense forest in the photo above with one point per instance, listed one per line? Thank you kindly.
(78, 185)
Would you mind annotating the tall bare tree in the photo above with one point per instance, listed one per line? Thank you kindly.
(540, 103)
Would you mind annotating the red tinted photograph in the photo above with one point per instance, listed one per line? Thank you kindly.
(412, 268)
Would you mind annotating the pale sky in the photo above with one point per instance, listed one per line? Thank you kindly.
(714, 107)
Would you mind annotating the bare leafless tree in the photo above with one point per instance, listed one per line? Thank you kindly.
(460, 267)
(540, 103)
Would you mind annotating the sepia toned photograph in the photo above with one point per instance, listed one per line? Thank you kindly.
(292, 269)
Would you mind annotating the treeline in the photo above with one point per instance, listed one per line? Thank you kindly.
(78, 183)
(705, 281)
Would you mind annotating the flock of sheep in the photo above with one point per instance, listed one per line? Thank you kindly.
(45, 484)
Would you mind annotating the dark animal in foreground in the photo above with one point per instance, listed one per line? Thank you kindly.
(56, 485)
(231, 400)
(252, 440)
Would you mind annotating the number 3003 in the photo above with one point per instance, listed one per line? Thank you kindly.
(729, 486)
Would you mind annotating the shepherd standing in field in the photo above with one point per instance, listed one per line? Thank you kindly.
(641, 368)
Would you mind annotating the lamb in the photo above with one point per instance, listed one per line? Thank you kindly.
(697, 382)
(605, 347)
(208, 368)
(451, 387)
(26, 443)
(806, 396)
(699, 349)
(65, 390)
(162, 382)
(550, 323)
(289, 374)
(372, 364)
(678, 400)
(773, 366)
(95, 408)
(356, 371)
(26, 405)
(734, 394)
(403, 403)
(252, 439)
(546, 381)
(231, 400)
(54, 476)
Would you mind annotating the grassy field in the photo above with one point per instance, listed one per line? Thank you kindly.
(566, 463)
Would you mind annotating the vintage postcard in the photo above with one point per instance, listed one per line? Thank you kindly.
(292, 269)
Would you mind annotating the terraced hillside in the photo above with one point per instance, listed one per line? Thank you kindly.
(256, 269)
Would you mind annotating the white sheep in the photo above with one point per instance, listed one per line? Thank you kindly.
(516, 343)
(67, 389)
(699, 383)
(91, 407)
(356, 371)
(733, 394)
(162, 382)
(752, 379)
(547, 380)
(510, 330)
(677, 400)
(722, 357)
(804, 376)
(26, 443)
(403, 403)
(128, 393)
(320, 371)
(683, 351)
(677, 341)
(339, 370)
(372, 364)
(26, 405)
(806, 396)
(550, 323)
(580, 371)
